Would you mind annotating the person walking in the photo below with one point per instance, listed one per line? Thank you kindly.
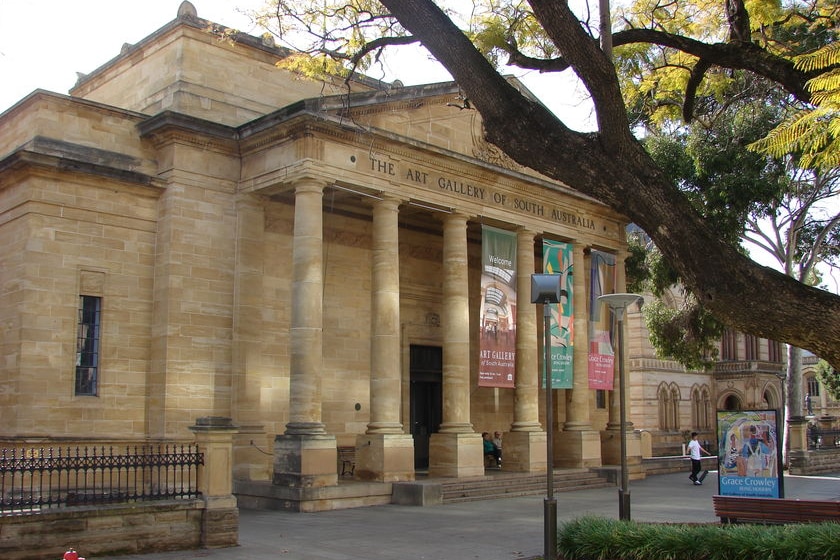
(694, 451)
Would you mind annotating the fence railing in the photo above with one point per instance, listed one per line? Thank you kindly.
(823, 439)
(34, 479)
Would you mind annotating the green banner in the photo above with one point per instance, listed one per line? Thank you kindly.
(557, 259)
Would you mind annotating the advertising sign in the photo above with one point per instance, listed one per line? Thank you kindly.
(749, 451)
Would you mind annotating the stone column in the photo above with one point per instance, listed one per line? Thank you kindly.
(610, 437)
(578, 445)
(250, 463)
(305, 455)
(525, 444)
(220, 522)
(384, 453)
(456, 450)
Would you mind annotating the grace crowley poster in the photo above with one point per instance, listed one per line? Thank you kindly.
(557, 259)
(602, 280)
(749, 454)
(497, 318)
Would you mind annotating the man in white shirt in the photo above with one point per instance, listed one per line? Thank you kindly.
(694, 451)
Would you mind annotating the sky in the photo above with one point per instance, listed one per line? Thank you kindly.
(44, 43)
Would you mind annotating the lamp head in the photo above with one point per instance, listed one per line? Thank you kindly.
(545, 288)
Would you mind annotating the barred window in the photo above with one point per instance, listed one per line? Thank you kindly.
(87, 345)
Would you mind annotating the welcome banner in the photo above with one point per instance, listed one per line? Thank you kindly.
(497, 328)
(601, 357)
(557, 259)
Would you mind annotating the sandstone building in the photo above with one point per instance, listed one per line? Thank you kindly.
(195, 233)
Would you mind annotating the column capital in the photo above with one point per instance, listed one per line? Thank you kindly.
(309, 184)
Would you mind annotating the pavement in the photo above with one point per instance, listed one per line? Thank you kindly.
(504, 529)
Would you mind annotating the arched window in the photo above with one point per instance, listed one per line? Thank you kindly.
(706, 408)
(662, 400)
(675, 407)
(732, 402)
(695, 408)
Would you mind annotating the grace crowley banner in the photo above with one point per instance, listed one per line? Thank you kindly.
(602, 281)
(557, 259)
(750, 456)
(497, 327)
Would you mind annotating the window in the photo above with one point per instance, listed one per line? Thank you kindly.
(813, 386)
(600, 398)
(774, 351)
(751, 347)
(87, 345)
(729, 345)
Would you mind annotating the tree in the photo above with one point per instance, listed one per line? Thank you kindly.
(611, 164)
(830, 378)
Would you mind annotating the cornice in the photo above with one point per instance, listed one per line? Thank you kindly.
(80, 159)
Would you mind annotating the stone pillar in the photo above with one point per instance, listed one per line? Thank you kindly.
(220, 522)
(578, 445)
(250, 463)
(525, 444)
(456, 450)
(611, 436)
(798, 454)
(384, 453)
(305, 455)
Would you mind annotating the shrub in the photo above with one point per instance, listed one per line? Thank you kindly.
(595, 538)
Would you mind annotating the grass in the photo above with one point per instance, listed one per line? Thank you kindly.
(595, 538)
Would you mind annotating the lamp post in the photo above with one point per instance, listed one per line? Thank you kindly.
(545, 289)
(618, 304)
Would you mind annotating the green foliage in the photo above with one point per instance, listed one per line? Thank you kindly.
(688, 334)
(830, 379)
(812, 133)
(593, 538)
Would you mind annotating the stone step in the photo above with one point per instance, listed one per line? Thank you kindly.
(502, 485)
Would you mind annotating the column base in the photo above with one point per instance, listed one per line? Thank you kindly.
(797, 433)
(384, 457)
(525, 452)
(611, 451)
(251, 452)
(305, 461)
(577, 449)
(456, 455)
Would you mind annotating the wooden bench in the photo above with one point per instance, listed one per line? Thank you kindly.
(735, 509)
(347, 459)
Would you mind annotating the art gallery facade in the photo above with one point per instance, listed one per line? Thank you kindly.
(195, 233)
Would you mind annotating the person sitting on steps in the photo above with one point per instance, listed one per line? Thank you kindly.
(491, 449)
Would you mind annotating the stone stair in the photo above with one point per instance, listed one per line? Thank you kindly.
(498, 484)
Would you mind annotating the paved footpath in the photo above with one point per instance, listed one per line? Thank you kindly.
(507, 529)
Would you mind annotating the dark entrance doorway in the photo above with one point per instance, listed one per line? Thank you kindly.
(426, 371)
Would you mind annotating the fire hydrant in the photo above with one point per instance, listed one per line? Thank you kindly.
(72, 555)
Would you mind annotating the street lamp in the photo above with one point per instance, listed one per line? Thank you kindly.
(545, 289)
(618, 304)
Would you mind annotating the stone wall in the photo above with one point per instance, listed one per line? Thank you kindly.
(814, 462)
(137, 528)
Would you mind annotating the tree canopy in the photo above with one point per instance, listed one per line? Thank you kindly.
(676, 59)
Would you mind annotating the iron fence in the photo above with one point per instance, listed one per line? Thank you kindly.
(32, 480)
(823, 439)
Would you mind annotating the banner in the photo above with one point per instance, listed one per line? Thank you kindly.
(557, 259)
(602, 281)
(497, 327)
(749, 454)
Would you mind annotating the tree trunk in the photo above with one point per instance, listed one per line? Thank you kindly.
(612, 167)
